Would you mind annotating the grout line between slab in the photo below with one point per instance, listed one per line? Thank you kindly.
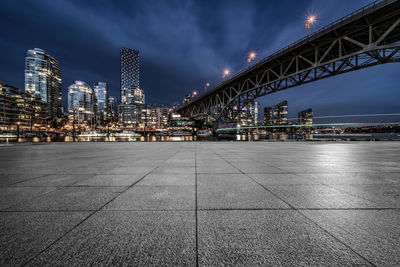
(301, 213)
(91, 214)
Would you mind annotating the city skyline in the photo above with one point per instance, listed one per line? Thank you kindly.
(167, 77)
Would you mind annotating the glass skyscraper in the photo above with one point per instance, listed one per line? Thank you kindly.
(130, 89)
(43, 78)
(80, 102)
(113, 109)
(101, 93)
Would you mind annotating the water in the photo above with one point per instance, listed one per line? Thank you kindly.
(231, 137)
(148, 138)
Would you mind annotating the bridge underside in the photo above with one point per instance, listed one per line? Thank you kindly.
(368, 41)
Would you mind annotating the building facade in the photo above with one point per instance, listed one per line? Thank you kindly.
(281, 113)
(113, 108)
(101, 92)
(305, 116)
(81, 103)
(23, 110)
(129, 76)
(143, 117)
(268, 116)
(43, 79)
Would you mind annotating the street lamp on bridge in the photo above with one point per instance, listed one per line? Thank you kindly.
(226, 73)
(252, 56)
(310, 20)
(206, 86)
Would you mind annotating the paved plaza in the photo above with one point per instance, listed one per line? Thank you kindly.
(200, 203)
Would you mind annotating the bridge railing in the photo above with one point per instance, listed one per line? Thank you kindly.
(287, 48)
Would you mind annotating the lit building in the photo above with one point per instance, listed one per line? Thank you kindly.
(128, 115)
(268, 116)
(305, 116)
(101, 92)
(254, 110)
(135, 95)
(43, 79)
(130, 89)
(281, 113)
(21, 108)
(113, 108)
(249, 115)
(80, 102)
(143, 117)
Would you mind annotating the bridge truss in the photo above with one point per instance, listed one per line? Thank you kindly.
(368, 37)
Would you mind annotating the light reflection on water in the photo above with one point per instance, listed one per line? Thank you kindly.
(149, 138)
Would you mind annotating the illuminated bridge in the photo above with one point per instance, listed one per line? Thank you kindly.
(365, 38)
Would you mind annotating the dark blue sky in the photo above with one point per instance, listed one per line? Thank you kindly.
(183, 45)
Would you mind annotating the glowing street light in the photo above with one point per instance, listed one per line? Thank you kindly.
(251, 57)
(206, 86)
(310, 20)
(225, 73)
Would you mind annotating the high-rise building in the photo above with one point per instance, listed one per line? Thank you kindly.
(305, 116)
(254, 109)
(80, 102)
(113, 108)
(130, 89)
(101, 92)
(268, 116)
(21, 108)
(281, 113)
(43, 78)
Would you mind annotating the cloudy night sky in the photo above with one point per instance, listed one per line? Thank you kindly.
(183, 45)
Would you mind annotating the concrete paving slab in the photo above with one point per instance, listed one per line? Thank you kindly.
(70, 198)
(222, 179)
(384, 195)
(318, 196)
(9, 179)
(175, 169)
(283, 179)
(166, 197)
(168, 179)
(10, 196)
(374, 234)
(111, 180)
(236, 196)
(268, 238)
(23, 235)
(127, 238)
(55, 180)
(354, 178)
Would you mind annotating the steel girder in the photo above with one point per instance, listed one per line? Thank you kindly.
(354, 47)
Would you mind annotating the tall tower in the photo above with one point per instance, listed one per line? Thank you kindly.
(80, 102)
(129, 75)
(100, 90)
(43, 78)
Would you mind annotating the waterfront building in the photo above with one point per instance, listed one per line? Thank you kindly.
(113, 108)
(128, 115)
(23, 110)
(268, 116)
(281, 113)
(130, 87)
(43, 79)
(143, 117)
(305, 116)
(101, 92)
(81, 102)
(254, 110)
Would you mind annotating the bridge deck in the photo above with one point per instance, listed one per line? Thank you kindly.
(324, 204)
(367, 32)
